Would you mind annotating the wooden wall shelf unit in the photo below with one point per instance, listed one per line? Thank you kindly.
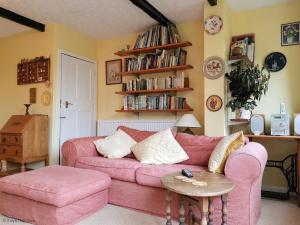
(156, 70)
(153, 91)
(250, 49)
(157, 110)
(138, 51)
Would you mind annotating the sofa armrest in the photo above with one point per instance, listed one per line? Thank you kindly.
(78, 147)
(246, 164)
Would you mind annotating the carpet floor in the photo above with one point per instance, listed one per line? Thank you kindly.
(273, 213)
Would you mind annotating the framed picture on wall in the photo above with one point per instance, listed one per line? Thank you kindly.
(113, 67)
(290, 34)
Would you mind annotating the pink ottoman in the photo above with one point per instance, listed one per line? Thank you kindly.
(53, 195)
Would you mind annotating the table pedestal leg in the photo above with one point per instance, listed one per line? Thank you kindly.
(169, 206)
(210, 211)
(224, 209)
(203, 207)
(181, 212)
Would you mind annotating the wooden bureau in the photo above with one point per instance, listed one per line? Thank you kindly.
(24, 139)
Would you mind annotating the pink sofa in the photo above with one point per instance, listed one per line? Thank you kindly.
(138, 186)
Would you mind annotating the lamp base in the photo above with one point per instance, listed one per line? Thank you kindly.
(188, 131)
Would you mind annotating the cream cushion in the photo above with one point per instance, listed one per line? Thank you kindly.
(223, 149)
(115, 146)
(160, 148)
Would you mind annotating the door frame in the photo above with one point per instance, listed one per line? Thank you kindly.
(57, 97)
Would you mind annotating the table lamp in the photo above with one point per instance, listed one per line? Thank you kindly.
(188, 121)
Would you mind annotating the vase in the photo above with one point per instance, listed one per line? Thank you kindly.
(290, 40)
(242, 113)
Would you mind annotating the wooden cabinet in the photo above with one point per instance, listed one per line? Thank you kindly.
(24, 139)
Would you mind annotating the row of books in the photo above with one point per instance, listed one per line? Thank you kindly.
(156, 83)
(159, 59)
(158, 35)
(161, 102)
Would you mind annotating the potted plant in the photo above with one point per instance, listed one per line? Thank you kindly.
(247, 83)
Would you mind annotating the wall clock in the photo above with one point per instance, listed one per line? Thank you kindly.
(275, 61)
(214, 67)
(214, 103)
(213, 24)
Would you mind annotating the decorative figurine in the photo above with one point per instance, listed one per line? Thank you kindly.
(27, 108)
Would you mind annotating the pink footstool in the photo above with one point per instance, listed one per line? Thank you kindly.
(53, 195)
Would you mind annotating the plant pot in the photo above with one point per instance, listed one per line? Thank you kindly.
(242, 114)
(290, 40)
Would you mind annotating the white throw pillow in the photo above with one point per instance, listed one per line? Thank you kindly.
(160, 148)
(115, 146)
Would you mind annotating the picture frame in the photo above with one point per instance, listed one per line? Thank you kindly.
(113, 67)
(290, 34)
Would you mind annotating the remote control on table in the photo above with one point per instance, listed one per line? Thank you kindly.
(187, 173)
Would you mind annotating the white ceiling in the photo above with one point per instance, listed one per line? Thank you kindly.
(109, 18)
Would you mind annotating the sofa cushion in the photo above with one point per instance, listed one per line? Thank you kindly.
(137, 135)
(115, 146)
(55, 185)
(120, 169)
(160, 148)
(198, 148)
(224, 148)
(149, 175)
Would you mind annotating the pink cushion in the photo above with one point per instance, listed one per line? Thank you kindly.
(149, 175)
(198, 148)
(55, 185)
(120, 169)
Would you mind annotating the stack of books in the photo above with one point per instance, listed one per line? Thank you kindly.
(159, 59)
(158, 35)
(161, 102)
(157, 83)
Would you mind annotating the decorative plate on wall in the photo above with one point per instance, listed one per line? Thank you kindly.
(275, 61)
(214, 103)
(213, 24)
(214, 67)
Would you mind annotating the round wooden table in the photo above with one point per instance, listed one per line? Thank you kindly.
(199, 196)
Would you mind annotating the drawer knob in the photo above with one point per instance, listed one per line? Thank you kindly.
(3, 139)
(4, 150)
(16, 152)
(16, 139)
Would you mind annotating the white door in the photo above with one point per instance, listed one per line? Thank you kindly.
(78, 98)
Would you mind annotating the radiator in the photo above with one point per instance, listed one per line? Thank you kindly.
(108, 127)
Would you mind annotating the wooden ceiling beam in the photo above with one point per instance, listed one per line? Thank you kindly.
(7, 14)
(151, 11)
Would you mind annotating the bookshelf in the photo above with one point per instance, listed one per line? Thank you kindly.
(138, 51)
(156, 70)
(154, 91)
(156, 51)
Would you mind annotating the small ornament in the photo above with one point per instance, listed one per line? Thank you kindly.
(214, 103)
(27, 108)
(214, 67)
(128, 47)
(275, 61)
(213, 24)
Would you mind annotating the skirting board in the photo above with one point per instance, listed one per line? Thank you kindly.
(274, 188)
(108, 127)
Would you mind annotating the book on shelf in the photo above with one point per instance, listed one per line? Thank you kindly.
(158, 83)
(160, 102)
(159, 59)
(158, 35)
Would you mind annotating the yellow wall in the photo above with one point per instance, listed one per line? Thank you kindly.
(29, 45)
(284, 85)
(109, 102)
(216, 45)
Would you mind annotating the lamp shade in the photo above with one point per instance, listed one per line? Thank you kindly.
(188, 120)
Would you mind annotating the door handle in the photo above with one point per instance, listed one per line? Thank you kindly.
(67, 103)
(62, 117)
